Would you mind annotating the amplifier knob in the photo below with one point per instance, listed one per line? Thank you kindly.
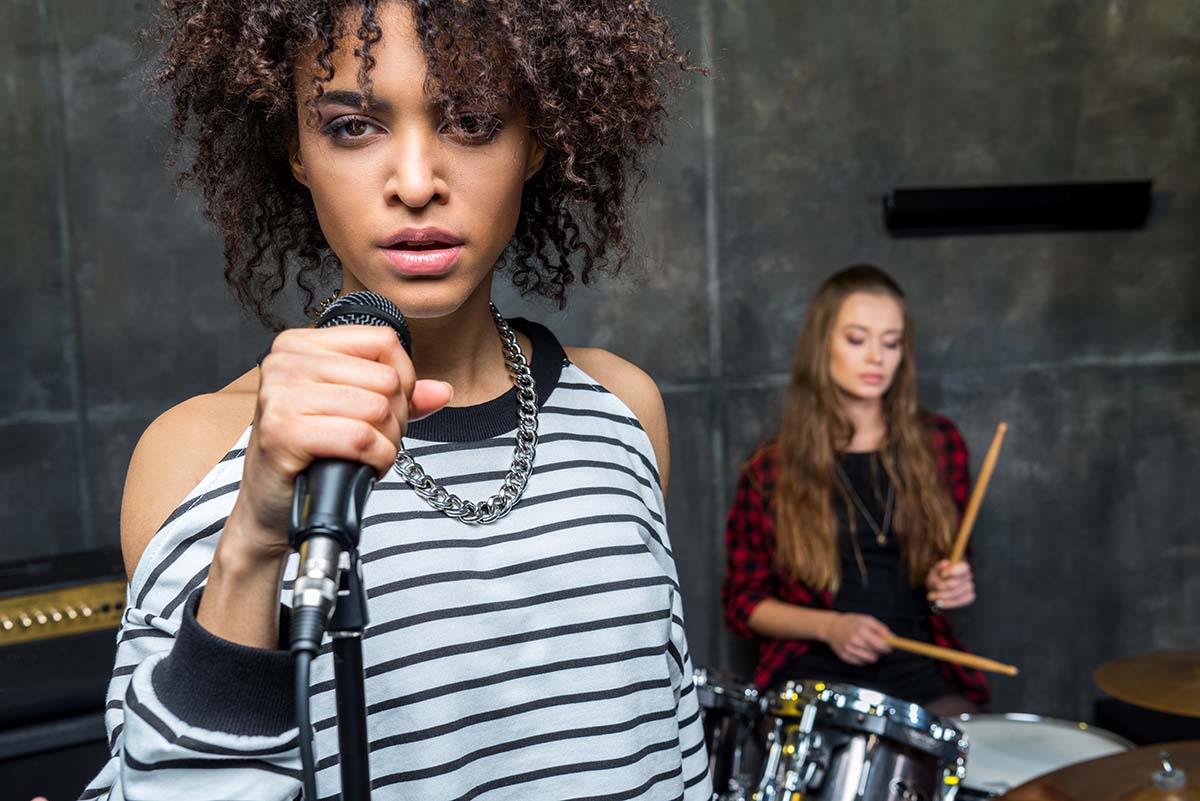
(26, 621)
(7, 624)
(40, 617)
(56, 616)
(71, 613)
(86, 610)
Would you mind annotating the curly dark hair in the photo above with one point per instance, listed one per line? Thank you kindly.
(592, 76)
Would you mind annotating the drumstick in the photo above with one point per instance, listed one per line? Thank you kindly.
(985, 475)
(950, 655)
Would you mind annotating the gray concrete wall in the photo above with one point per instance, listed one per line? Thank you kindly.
(1087, 344)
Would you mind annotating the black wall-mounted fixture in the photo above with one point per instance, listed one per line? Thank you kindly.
(1017, 208)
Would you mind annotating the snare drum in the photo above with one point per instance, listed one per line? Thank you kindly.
(731, 708)
(1009, 750)
(837, 742)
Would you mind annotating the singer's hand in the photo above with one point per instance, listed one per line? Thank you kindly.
(346, 392)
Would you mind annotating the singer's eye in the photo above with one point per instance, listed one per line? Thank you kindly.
(473, 128)
(347, 130)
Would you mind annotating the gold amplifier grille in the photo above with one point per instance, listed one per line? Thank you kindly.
(60, 612)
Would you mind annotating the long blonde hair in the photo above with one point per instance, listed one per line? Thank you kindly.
(815, 426)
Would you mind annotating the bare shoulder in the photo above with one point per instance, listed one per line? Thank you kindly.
(637, 390)
(175, 453)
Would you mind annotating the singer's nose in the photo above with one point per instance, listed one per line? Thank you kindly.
(416, 179)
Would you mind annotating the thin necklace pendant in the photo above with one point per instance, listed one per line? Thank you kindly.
(881, 532)
(881, 536)
(888, 508)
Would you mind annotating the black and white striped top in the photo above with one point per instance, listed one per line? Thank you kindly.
(542, 656)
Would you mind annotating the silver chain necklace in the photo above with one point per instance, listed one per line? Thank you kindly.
(513, 485)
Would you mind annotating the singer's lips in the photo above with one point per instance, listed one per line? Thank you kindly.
(427, 252)
(421, 239)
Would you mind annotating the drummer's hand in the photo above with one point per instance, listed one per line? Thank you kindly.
(857, 639)
(950, 585)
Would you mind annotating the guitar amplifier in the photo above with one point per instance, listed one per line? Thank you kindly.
(58, 622)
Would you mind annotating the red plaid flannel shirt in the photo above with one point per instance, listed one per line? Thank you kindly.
(750, 556)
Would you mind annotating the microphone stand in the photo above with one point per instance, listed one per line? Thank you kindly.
(327, 503)
(346, 629)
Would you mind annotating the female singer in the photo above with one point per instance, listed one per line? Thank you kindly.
(413, 149)
(837, 536)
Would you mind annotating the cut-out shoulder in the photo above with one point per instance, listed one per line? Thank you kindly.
(637, 390)
(174, 454)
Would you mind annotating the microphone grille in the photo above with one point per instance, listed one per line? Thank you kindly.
(366, 308)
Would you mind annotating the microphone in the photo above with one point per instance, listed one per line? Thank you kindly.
(329, 496)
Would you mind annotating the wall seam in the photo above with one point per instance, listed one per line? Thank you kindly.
(72, 338)
(716, 407)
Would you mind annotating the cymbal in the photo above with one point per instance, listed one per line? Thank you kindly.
(1167, 681)
(1120, 777)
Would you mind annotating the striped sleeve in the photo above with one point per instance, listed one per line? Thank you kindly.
(697, 784)
(190, 715)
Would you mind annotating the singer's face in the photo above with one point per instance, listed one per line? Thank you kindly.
(418, 207)
(866, 345)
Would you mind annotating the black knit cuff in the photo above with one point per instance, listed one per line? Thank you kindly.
(222, 686)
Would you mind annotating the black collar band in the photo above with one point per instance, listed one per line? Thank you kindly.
(499, 415)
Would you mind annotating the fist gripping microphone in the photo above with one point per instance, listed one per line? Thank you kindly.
(330, 494)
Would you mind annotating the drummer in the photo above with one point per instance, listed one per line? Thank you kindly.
(838, 533)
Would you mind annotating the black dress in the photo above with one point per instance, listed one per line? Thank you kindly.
(876, 585)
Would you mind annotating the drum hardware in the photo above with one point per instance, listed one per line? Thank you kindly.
(821, 741)
(795, 758)
(837, 742)
(731, 708)
(1169, 784)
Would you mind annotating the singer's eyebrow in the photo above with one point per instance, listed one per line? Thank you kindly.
(347, 97)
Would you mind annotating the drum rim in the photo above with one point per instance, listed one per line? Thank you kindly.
(951, 734)
(730, 688)
(893, 701)
(1064, 723)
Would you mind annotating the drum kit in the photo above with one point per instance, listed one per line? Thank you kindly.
(814, 740)
(818, 740)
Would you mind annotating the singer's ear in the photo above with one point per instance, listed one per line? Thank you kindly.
(296, 163)
(536, 157)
